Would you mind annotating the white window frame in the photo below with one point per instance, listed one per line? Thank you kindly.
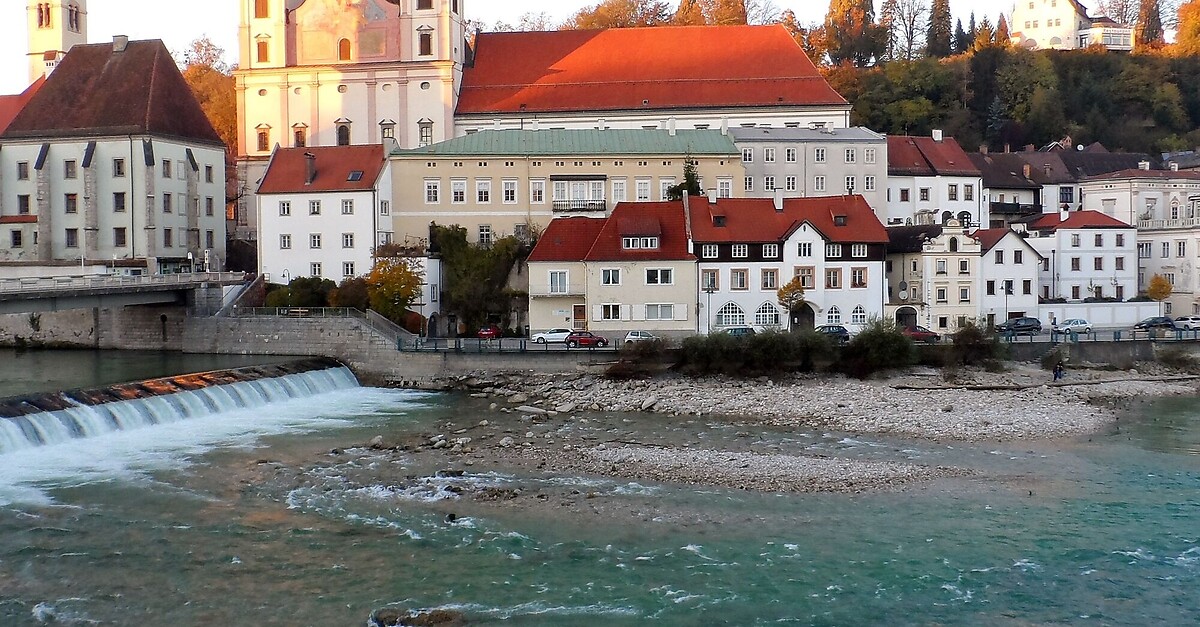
(610, 276)
(740, 251)
(314, 240)
(483, 191)
(285, 241)
(458, 191)
(285, 208)
(770, 251)
(656, 276)
(537, 192)
(433, 191)
(708, 251)
(347, 240)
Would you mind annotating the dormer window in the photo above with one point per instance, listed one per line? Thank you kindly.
(718, 220)
(355, 176)
(639, 243)
(839, 220)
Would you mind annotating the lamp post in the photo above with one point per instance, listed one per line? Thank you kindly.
(1007, 290)
(709, 288)
(287, 283)
(191, 263)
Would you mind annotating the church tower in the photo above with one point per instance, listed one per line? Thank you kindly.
(54, 26)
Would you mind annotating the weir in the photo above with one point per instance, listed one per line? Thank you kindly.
(45, 419)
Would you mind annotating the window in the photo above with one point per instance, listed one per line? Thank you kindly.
(118, 168)
(1075, 264)
(964, 266)
(747, 155)
(659, 276)
(347, 240)
(343, 134)
(789, 155)
(730, 316)
(314, 207)
(424, 132)
(119, 239)
(767, 315)
(485, 234)
(119, 202)
(940, 264)
(347, 207)
(924, 194)
(738, 279)
(69, 169)
(952, 191)
(869, 183)
(789, 183)
(509, 192)
(1166, 249)
(858, 277)
(768, 155)
(483, 191)
(833, 251)
(285, 241)
(73, 238)
(768, 183)
(22, 170)
(819, 183)
(314, 268)
(1120, 240)
(833, 278)
(1143, 249)
(432, 192)
(558, 281)
(990, 290)
(709, 280)
(385, 207)
(869, 155)
(708, 251)
(387, 130)
(1000, 256)
(635, 243)
(858, 251)
(850, 155)
(748, 184)
(834, 315)
(71, 203)
(424, 4)
(858, 315)
(769, 279)
(741, 251)
(260, 9)
(1018, 257)
(940, 295)
(819, 155)
(610, 276)
(964, 294)
(458, 192)
(850, 184)
(804, 249)
(343, 50)
(209, 206)
(1075, 240)
(426, 44)
(724, 188)
(1098, 263)
(968, 192)
(1119, 263)
(1075, 292)
(807, 276)
(904, 195)
(166, 168)
(1181, 248)
(285, 207)
(537, 192)
(208, 174)
(660, 312)
(770, 251)
(643, 190)
(264, 140)
(1027, 287)
(168, 241)
(167, 204)
(314, 240)
(610, 312)
(619, 192)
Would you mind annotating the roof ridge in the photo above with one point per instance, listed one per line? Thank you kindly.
(150, 90)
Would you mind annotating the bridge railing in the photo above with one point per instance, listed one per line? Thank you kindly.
(98, 281)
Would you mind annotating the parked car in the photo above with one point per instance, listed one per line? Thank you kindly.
(1073, 325)
(836, 333)
(738, 331)
(1020, 326)
(1156, 322)
(1191, 323)
(640, 336)
(585, 338)
(489, 332)
(920, 334)
(553, 336)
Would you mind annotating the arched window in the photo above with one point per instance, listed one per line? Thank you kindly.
(767, 315)
(425, 132)
(344, 50)
(834, 315)
(343, 135)
(953, 244)
(946, 217)
(731, 315)
(859, 315)
(964, 218)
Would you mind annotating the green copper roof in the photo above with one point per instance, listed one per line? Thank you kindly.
(582, 142)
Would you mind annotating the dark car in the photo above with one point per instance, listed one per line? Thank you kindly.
(489, 332)
(739, 331)
(920, 334)
(836, 333)
(1020, 326)
(1156, 322)
(585, 338)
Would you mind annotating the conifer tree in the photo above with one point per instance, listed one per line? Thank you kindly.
(983, 35)
(889, 24)
(1002, 34)
(1148, 34)
(962, 41)
(937, 38)
(851, 34)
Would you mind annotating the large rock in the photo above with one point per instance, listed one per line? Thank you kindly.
(530, 409)
(518, 398)
(565, 408)
(649, 403)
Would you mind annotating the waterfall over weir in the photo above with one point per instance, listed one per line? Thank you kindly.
(47, 419)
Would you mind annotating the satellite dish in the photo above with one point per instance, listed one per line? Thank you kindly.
(904, 286)
(903, 294)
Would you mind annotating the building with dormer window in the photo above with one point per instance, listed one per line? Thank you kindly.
(1065, 25)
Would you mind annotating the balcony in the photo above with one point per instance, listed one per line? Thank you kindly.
(1014, 208)
(557, 291)
(581, 205)
(1178, 223)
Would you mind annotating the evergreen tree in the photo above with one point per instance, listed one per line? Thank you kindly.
(962, 41)
(971, 28)
(851, 34)
(889, 24)
(1002, 34)
(690, 184)
(983, 35)
(1148, 34)
(937, 38)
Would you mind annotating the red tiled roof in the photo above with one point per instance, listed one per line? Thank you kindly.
(641, 69)
(754, 220)
(26, 219)
(10, 106)
(96, 91)
(1077, 220)
(1136, 173)
(641, 219)
(922, 156)
(990, 237)
(567, 239)
(288, 169)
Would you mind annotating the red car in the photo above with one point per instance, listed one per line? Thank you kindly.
(489, 332)
(920, 334)
(585, 338)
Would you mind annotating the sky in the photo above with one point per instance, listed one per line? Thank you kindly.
(178, 22)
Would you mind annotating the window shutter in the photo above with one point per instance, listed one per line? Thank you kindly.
(639, 312)
(626, 312)
(681, 311)
(597, 313)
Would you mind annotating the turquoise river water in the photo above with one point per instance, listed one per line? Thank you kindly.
(245, 517)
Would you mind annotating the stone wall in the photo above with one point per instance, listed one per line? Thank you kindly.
(75, 328)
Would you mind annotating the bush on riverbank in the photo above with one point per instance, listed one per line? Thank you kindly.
(880, 346)
(763, 353)
(974, 345)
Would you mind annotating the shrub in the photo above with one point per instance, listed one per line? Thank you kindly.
(974, 344)
(880, 346)
(763, 353)
(1177, 358)
(638, 359)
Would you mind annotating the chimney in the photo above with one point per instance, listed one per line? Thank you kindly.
(1026, 170)
(535, 124)
(1046, 169)
(1174, 167)
(310, 170)
(1029, 148)
(937, 134)
(983, 149)
(602, 124)
(1143, 165)
(120, 42)
(724, 126)
(778, 200)
(712, 196)
(671, 126)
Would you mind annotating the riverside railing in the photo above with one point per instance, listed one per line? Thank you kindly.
(26, 285)
(498, 345)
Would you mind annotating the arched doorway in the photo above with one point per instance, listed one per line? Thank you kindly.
(803, 318)
(906, 317)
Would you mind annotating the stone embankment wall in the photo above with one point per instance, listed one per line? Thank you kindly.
(129, 328)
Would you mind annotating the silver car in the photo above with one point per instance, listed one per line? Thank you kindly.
(1073, 325)
(1190, 323)
(553, 336)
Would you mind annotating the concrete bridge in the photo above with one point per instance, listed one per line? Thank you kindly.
(30, 295)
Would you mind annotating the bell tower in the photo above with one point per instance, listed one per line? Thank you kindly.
(54, 26)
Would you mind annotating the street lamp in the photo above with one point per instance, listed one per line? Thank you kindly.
(287, 280)
(1008, 289)
(191, 263)
(709, 288)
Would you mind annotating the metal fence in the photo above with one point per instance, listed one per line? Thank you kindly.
(498, 345)
(98, 281)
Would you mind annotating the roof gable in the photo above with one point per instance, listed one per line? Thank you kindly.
(10, 106)
(925, 156)
(625, 69)
(664, 220)
(288, 169)
(96, 90)
(567, 239)
(755, 220)
(1077, 220)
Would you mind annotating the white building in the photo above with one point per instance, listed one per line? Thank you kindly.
(933, 275)
(120, 170)
(1085, 255)
(322, 211)
(931, 180)
(749, 247)
(814, 162)
(1065, 25)
(1009, 271)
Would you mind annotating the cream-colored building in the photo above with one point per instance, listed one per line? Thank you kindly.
(933, 276)
(1065, 25)
(499, 183)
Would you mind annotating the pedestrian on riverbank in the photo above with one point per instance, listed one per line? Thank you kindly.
(1059, 371)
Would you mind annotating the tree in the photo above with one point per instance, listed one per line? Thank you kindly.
(689, 13)
(851, 33)
(1120, 11)
(1187, 39)
(983, 36)
(1159, 288)
(791, 297)
(1002, 34)
(962, 41)
(621, 14)
(302, 292)
(393, 285)
(937, 37)
(909, 16)
(351, 293)
(690, 184)
(529, 21)
(1148, 34)
(474, 277)
(888, 16)
(211, 80)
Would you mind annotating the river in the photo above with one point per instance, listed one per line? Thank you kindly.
(272, 517)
